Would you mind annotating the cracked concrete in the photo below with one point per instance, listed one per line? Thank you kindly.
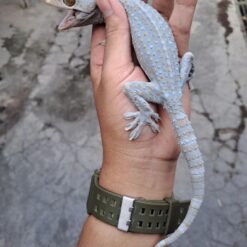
(49, 135)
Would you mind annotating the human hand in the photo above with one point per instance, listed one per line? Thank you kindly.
(146, 167)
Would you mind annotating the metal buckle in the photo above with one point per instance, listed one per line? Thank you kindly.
(124, 220)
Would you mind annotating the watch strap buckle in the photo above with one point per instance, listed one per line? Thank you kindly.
(126, 210)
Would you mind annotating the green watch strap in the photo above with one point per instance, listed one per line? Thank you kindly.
(146, 216)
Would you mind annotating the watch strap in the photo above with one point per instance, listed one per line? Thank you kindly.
(135, 215)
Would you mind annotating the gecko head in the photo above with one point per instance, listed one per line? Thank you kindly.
(81, 13)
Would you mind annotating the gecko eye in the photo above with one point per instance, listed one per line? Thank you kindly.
(69, 3)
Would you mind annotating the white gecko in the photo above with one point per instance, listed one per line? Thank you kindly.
(157, 54)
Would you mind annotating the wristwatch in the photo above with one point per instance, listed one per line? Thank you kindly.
(135, 215)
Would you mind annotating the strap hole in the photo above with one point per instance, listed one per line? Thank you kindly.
(157, 225)
(95, 208)
(102, 212)
(152, 212)
(140, 223)
(104, 199)
(164, 224)
(160, 213)
(98, 197)
(142, 211)
(149, 225)
(110, 215)
(113, 203)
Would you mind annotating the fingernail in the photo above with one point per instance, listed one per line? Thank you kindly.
(106, 8)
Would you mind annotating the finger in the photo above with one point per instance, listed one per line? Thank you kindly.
(181, 21)
(118, 43)
(97, 54)
(164, 7)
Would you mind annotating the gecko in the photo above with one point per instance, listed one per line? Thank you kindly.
(157, 53)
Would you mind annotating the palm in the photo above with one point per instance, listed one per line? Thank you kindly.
(110, 72)
(116, 104)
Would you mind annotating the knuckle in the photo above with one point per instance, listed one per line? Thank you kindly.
(115, 24)
(112, 23)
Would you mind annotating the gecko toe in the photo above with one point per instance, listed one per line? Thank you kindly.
(155, 127)
(136, 132)
(131, 115)
(132, 125)
(155, 116)
(139, 120)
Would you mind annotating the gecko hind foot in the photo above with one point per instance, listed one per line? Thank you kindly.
(140, 119)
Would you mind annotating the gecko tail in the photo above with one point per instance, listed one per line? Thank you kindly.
(192, 212)
(193, 156)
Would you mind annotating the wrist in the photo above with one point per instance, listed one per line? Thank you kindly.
(151, 179)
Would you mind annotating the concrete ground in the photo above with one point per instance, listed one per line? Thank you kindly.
(49, 135)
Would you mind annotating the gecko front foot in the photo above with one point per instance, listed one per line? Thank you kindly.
(139, 120)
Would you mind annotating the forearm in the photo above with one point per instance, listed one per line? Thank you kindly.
(134, 178)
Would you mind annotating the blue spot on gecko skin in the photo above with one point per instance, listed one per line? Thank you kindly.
(180, 116)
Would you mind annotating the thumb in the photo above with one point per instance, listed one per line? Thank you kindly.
(118, 42)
